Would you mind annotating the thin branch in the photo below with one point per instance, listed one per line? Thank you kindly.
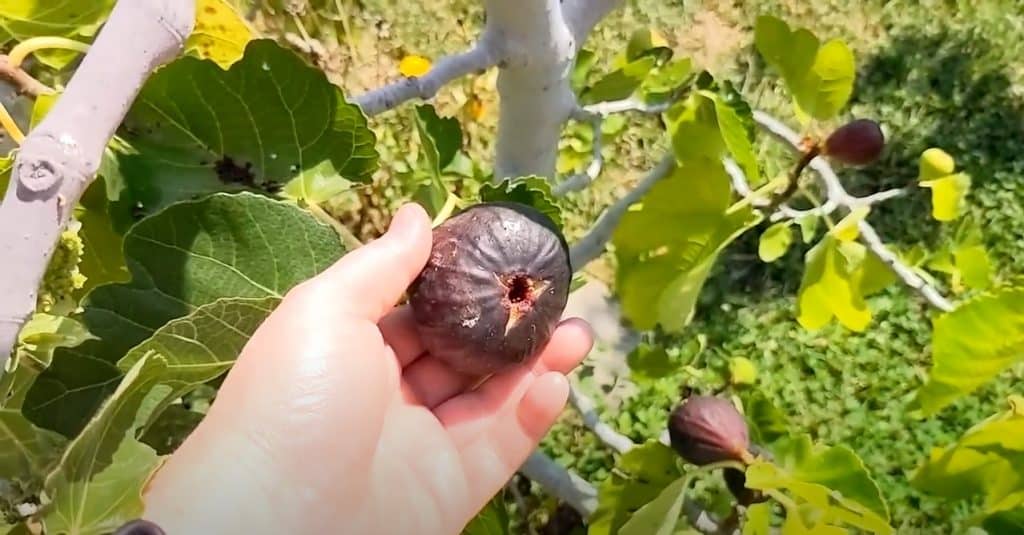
(60, 157)
(838, 195)
(477, 59)
(589, 175)
(628, 104)
(583, 15)
(23, 81)
(561, 483)
(590, 246)
(605, 433)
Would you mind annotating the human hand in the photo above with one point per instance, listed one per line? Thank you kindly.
(333, 420)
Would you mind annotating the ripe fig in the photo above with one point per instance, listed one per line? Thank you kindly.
(858, 142)
(493, 289)
(705, 430)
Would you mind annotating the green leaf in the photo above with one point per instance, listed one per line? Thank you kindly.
(665, 80)
(643, 472)
(168, 430)
(974, 265)
(660, 515)
(74, 19)
(1005, 522)
(269, 120)
(103, 259)
(441, 138)
(108, 499)
(809, 227)
(532, 191)
(775, 242)
(826, 89)
(949, 194)
(667, 244)
(819, 76)
(203, 345)
(649, 362)
(585, 60)
(736, 137)
(875, 275)
(193, 253)
(98, 484)
(767, 423)
(758, 519)
(492, 520)
(971, 345)
(620, 83)
(693, 127)
(987, 461)
(831, 286)
(832, 482)
(26, 452)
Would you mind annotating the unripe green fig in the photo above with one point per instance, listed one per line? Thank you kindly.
(706, 429)
(859, 142)
(493, 289)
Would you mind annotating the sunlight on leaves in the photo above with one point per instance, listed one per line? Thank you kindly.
(220, 33)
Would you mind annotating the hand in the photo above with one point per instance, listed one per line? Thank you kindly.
(333, 420)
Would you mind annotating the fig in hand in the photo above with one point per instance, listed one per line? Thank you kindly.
(493, 289)
(859, 142)
(706, 429)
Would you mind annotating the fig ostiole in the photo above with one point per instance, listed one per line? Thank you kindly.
(706, 429)
(858, 142)
(494, 288)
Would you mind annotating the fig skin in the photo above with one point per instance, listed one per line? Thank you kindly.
(493, 289)
(858, 142)
(706, 429)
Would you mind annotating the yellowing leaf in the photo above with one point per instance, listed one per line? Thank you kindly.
(847, 230)
(220, 34)
(742, 371)
(948, 195)
(775, 242)
(831, 287)
(935, 163)
(414, 66)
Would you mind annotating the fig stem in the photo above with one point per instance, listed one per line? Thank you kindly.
(446, 211)
(794, 176)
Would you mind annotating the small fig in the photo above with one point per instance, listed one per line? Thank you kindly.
(705, 430)
(736, 482)
(858, 142)
(493, 289)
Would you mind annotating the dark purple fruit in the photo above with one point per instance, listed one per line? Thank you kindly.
(705, 430)
(493, 289)
(858, 142)
(139, 527)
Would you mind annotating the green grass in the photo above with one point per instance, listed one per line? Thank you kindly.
(935, 73)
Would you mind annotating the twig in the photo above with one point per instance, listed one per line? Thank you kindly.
(61, 155)
(582, 180)
(23, 82)
(561, 483)
(590, 246)
(628, 104)
(604, 432)
(477, 59)
(838, 195)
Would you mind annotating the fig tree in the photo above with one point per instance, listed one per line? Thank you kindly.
(858, 142)
(493, 289)
(706, 429)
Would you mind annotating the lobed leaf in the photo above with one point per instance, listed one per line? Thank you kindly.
(73, 19)
(220, 33)
(644, 472)
(775, 241)
(949, 195)
(532, 191)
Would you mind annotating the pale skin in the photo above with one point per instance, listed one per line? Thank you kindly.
(334, 420)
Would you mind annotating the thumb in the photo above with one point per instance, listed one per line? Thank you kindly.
(368, 282)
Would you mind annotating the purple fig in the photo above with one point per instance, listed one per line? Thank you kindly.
(494, 288)
(859, 142)
(705, 430)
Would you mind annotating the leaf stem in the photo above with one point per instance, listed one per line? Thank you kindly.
(758, 193)
(347, 238)
(33, 44)
(446, 211)
(11, 127)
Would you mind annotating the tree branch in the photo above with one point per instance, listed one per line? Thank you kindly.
(605, 433)
(23, 81)
(535, 98)
(60, 157)
(590, 246)
(838, 195)
(481, 57)
(583, 15)
(561, 483)
(589, 175)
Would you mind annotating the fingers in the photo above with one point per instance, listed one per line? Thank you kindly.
(368, 282)
(513, 433)
(433, 382)
(399, 331)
